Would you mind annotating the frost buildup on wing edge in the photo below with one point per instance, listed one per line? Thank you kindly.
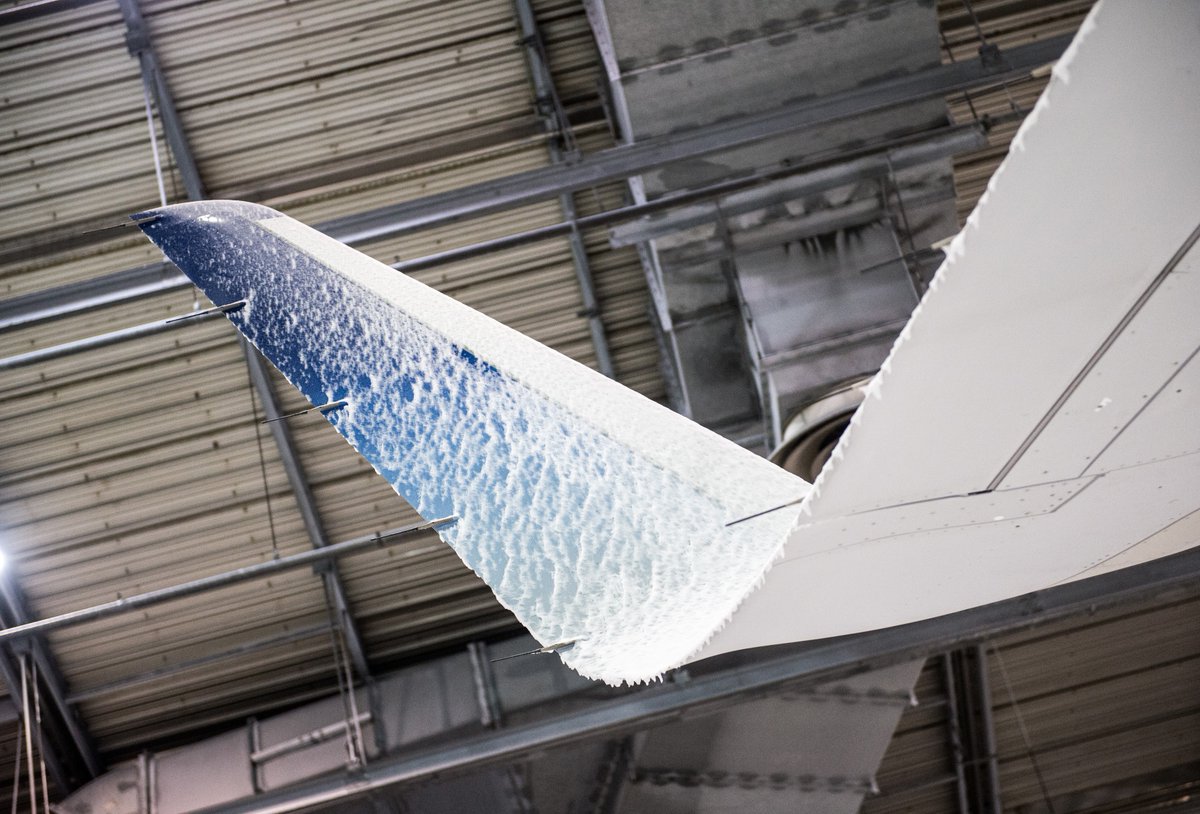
(760, 472)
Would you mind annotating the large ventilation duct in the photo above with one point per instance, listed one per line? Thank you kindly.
(434, 715)
(768, 298)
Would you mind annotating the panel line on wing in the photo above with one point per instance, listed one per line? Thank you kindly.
(1182, 367)
(1096, 357)
(1108, 558)
(939, 515)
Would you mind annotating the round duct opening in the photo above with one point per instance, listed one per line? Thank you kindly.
(813, 432)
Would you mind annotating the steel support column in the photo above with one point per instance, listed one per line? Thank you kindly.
(971, 708)
(141, 46)
(16, 613)
(551, 110)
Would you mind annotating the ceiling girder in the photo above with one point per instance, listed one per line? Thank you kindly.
(615, 164)
(556, 122)
(289, 457)
(970, 692)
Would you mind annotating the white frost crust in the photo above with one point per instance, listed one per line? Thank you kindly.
(611, 531)
(717, 467)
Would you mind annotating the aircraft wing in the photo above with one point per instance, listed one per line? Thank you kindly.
(1038, 419)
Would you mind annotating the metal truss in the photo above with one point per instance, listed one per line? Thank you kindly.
(615, 164)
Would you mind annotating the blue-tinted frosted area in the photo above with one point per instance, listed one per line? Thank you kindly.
(583, 529)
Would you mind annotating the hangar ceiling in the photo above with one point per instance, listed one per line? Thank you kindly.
(133, 457)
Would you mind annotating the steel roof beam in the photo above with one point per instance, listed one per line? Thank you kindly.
(622, 162)
(1172, 578)
(188, 665)
(137, 38)
(141, 46)
(551, 109)
(614, 164)
(335, 591)
(310, 558)
(970, 709)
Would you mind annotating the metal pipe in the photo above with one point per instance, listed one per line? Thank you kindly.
(104, 340)
(1176, 576)
(984, 691)
(307, 739)
(244, 574)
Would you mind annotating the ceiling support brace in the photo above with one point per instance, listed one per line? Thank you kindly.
(137, 38)
(970, 696)
(290, 459)
(15, 613)
(620, 163)
(141, 46)
(555, 119)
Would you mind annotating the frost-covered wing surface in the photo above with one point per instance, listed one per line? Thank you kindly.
(594, 514)
(1039, 419)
